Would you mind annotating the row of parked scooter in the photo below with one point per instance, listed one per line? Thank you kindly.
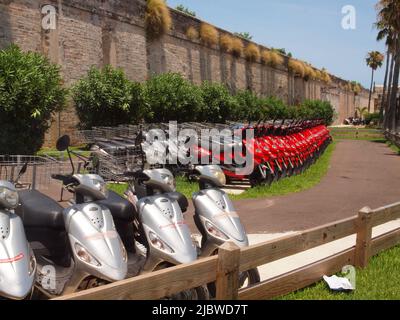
(281, 149)
(47, 250)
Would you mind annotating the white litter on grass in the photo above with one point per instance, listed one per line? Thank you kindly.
(339, 284)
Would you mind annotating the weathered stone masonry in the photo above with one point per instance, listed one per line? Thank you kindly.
(100, 32)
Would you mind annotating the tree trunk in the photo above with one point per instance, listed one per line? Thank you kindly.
(382, 107)
(393, 95)
(387, 102)
(370, 91)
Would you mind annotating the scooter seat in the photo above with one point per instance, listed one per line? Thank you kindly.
(39, 211)
(121, 209)
(180, 198)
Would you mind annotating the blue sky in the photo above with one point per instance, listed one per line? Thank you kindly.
(310, 29)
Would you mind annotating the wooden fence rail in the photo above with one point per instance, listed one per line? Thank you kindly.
(224, 268)
(393, 137)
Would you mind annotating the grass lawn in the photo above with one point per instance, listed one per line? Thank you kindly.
(62, 155)
(302, 182)
(356, 134)
(380, 281)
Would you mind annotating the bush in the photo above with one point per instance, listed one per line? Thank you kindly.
(107, 98)
(171, 97)
(30, 93)
(157, 18)
(277, 109)
(219, 104)
(372, 117)
(250, 106)
(317, 109)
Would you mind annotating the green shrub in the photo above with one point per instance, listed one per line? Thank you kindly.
(250, 106)
(171, 97)
(30, 92)
(107, 98)
(277, 109)
(372, 117)
(318, 109)
(219, 104)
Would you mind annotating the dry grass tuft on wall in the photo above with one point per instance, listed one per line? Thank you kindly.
(252, 53)
(266, 57)
(226, 43)
(309, 72)
(276, 59)
(192, 33)
(237, 47)
(157, 18)
(208, 34)
(325, 77)
(297, 68)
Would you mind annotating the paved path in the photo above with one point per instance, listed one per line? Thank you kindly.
(362, 173)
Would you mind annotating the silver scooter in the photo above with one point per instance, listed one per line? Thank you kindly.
(17, 261)
(78, 247)
(216, 218)
(156, 228)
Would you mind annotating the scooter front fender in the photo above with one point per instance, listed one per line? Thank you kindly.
(92, 227)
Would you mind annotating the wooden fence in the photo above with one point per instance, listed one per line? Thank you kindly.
(226, 266)
(394, 138)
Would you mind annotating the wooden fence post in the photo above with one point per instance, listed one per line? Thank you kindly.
(364, 235)
(227, 284)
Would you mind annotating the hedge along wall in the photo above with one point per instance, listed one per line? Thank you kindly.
(96, 32)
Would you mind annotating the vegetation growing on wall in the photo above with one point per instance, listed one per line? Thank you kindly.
(192, 33)
(252, 53)
(237, 47)
(244, 35)
(226, 43)
(276, 59)
(157, 18)
(296, 67)
(208, 34)
(185, 10)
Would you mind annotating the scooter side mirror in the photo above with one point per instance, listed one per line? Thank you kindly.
(23, 169)
(63, 143)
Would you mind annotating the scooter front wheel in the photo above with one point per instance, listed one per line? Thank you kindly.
(199, 293)
(249, 278)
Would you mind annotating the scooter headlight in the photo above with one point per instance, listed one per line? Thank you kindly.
(32, 263)
(124, 253)
(9, 197)
(215, 232)
(169, 180)
(85, 256)
(159, 244)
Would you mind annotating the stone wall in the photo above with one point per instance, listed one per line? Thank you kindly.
(99, 32)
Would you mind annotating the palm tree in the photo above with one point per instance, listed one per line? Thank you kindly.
(385, 33)
(389, 18)
(374, 61)
(361, 112)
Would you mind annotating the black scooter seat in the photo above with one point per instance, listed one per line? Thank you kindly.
(39, 211)
(121, 209)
